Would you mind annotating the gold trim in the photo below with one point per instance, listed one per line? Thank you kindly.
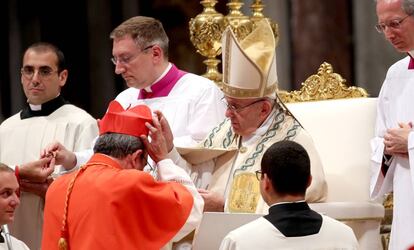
(388, 202)
(359, 219)
(244, 193)
(323, 86)
(247, 93)
(232, 44)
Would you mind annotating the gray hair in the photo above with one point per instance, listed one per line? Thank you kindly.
(146, 31)
(408, 6)
(117, 145)
(5, 168)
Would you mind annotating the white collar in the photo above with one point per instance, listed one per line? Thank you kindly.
(37, 107)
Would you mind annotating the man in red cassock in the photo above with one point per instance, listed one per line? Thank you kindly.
(109, 203)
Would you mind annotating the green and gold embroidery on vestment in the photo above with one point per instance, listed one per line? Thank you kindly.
(245, 189)
(208, 143)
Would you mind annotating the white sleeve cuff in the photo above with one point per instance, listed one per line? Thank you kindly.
(410, 142)
(168, 171)
(83, 156)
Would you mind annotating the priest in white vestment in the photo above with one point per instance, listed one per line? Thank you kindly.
(284, 177)
(191, 103)
(223, 164)
(46, 117)
(393, 146)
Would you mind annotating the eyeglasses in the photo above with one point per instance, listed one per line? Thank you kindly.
(259, 174)
(43, 72)
(238, 109)
(393, 24)
(128, 58)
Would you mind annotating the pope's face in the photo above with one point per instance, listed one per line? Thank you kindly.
(8, 196)
(245, 114)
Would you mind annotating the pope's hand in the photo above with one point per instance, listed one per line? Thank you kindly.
(213, 202)
(157, 148)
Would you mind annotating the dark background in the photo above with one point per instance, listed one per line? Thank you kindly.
(81, 30)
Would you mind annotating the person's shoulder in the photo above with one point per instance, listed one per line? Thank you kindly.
(11, 120)
(198, 81)
(73, 108)
(400, 64)
(128, 93)
(71, 112)
(18, 244)
(250, 228)
(61, 182)
(127, 96)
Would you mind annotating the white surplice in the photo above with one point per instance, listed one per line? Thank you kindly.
(261, 234)
(193, 107)
(395, 105)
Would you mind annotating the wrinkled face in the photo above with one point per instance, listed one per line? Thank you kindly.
(8, 196)
(246, 115)
(402, 37)
(40, 78)
(134, 64)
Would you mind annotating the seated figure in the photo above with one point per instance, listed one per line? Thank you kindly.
(223, 165)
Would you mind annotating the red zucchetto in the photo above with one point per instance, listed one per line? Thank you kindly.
(130, 121)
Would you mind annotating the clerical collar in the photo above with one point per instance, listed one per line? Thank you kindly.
(285, 202)
(294, 219)
(411, 64)
(164, 84)
(44, 109)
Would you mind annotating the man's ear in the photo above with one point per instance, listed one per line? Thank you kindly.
(63, 76)
(266, 108)
(267, 183)
(309, 181)
(138, 159)
(157, 53)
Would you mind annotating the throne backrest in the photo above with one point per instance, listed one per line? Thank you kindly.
(341, 121)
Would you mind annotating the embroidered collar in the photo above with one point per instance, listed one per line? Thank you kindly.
(260, 131)
(44, 109)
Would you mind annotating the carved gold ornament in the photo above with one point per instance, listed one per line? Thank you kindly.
(322, 86)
